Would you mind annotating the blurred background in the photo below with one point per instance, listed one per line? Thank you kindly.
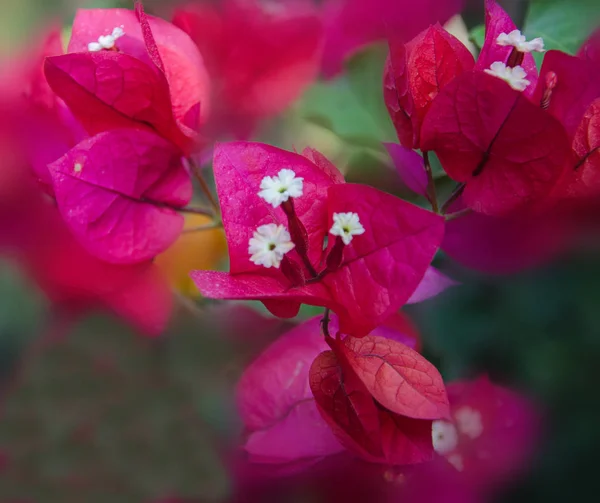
(92, 412)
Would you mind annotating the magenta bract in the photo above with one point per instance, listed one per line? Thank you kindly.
(119, 192)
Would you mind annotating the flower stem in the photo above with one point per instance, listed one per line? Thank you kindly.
(458, 214)
(453, 197)
(431, 194)
(197, 172)
(325, 322)
(200, 228)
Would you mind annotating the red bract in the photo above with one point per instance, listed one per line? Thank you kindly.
(345, 400)
(260, 57)
(364, 282)
(119, 191)
(582, 179)
(577, 85)
(590, 49)
(397, 377)
(497, 21)
(507, 151)
(158, 82)
(353, 23)
(275, 401)
(506, 244)
(414, 75)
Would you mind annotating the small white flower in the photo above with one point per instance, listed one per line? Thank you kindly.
(515, 77)
(346, 225)
(444, 436)
(519, 42)
(468, 421)
(278, 189)
(106, 41)
(456, 461)
(269, 244)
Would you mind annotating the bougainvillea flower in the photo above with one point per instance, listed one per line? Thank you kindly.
(582, 176)
(119, 192)
(260, 57)
(506, 150)
(152, 78)
(504, 43)
(410, 167)
(281, 417)
(491, 435)
(363, 276)
(414, 75)
(353, 23)
(575, 83)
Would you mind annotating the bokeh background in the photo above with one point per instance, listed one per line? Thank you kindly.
(104, 415)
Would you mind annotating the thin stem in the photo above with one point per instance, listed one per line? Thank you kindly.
(325, 322)
(204, 186)
(195, 211)
(453, 197)
(214, 225)
(431, 194)
(458, 214)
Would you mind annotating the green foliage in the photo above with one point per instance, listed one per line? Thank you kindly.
(562, 25)
(352, 105)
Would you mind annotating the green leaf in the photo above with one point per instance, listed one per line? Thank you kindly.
(563, 25)
(352, 105)
(477, 36)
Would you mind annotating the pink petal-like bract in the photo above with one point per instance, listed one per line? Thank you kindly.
(347, 406)
(398, 377)
(506, 244)
(410, 167)
(431, 61)
(119, 191)
(583, 178)
(360, 424)
(590, 49)
(276, 404)
(497, 21)
(260, 58)
(164, 48)
(508, 151)
(577, 85)
(504, 442)
(433, 283)
(381, 269)
(351, 24)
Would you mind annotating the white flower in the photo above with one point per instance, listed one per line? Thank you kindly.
(444, 436)
(106, 41)
(515, 77)
(269, 244)
(468, 421)
(519, 42)
(278, 189)
(456, 461)
(346, 225)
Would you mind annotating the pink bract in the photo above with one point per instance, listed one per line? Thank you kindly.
(260, 57)
(416, 73)
(119, 192)
(173, 97)
(497, 21)
(507, 151)
(351, 24)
